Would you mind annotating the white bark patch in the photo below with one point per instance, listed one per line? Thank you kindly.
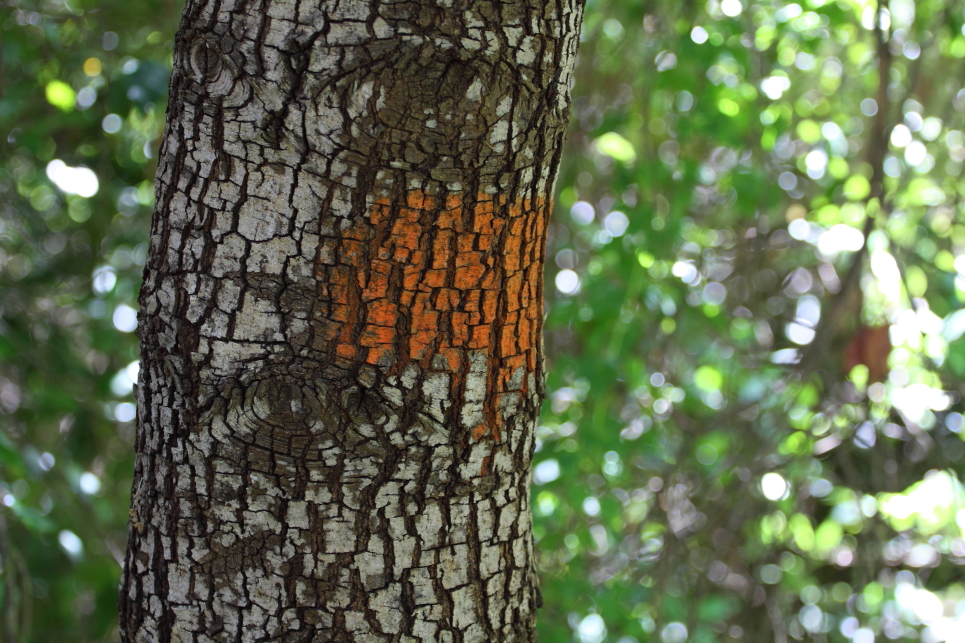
(216, 325)
(359, 100)
(382, 29)
(423, 592)
(452, 564)
(499, 133)
(436, 390)
(258, 221)
(475, 392)
(428, 525)
(463, 613)
(269, 256)
(473, 465)
(527, 51)
(297, 515)
(505, 104)
(513, 34)
(228, 296)
(474, 93)
(347, 33)
(387, 605)
(340, 536)
(258, 320)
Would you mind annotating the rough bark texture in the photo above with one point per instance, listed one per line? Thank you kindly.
(340, 322)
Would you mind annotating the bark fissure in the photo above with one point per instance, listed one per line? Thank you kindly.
(340, 321)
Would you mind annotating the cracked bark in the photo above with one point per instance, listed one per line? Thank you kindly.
(341, 322)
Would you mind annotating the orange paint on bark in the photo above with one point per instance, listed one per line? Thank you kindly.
(430, 281)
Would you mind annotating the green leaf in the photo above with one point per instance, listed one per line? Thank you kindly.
(61, 95)
(708, 378)
(857, 188)
(802, 532)
(32, 519)
(615, 146)
(809, 131)
(717, 608)
(728, 107)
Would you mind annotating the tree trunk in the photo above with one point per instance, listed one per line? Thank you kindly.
(341, 322)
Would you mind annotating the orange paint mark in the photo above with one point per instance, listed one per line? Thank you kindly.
(435, 278)
(450, 218)
(430, 280)
(381, 313)
(453, 358)
(513, 287)
(483, 223)
(468, 276)
(480, 337)
(460, 323)
(379, 211)
(440, 249)
(447, 299)
(511, 364)
(412, 277)
(377, 336)
(507, 341)
(339, 313)
(490, 300)
(523, 334)
(352, 249)
(465, 244)
(377, 287)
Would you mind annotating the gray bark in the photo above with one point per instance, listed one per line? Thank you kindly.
(340, 322)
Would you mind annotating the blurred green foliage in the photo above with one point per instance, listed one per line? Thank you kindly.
(83, 84)
(754, 429)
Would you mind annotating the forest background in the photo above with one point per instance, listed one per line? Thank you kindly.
(754, 429)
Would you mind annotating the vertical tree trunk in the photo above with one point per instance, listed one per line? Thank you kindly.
(340, 322)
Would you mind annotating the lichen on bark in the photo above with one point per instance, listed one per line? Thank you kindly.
(340, 322)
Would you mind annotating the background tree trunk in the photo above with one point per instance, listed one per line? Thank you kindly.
(340, 322)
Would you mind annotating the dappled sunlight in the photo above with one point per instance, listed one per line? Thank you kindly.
(73, 180)
(929, 506)
(769, 353)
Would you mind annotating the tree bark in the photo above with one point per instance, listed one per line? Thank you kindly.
(340, 322)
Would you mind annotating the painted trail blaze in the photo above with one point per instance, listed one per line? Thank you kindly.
(448, 284)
